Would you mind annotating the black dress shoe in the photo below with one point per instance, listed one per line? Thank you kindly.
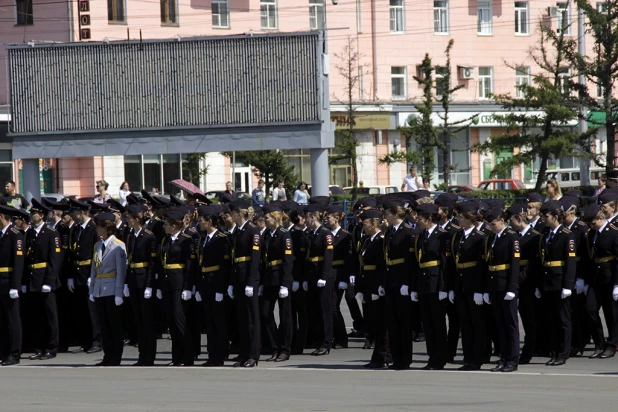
(47, 355)
(251, 363)
(511, 368)
(238, 364)
(608, 353)
(498, 368)
(550, 362)
(102, 363)
(470, 367)
(575, 351)
(596, 354)
(368, 344)
(272, 358)
(558, 362)
(432, 368)
(36, 356)
(94, 349)
(356, 334)
(282, 358)
(138, 363)
(372, 365)
(398, 367)
(320, 352)
(11, 360)
(339, 346)
(78, 350)
(212, 364)
(420, 337)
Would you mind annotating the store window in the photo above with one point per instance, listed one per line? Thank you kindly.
(152, 172)
(6, 166)
(460, 160)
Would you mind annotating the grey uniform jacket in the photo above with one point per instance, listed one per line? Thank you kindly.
(109, 269)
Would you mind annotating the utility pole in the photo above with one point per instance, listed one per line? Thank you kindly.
(584, 164)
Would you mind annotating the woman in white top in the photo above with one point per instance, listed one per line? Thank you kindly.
(301, 196)
(102, 196)
(124, 192)
(279, 192)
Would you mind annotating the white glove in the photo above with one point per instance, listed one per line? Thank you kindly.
(442, 295)
(147, 293)
(218, 297)
(71, 284)
(486, 298)
(88, 282)
(509, 296)
(198, 297)
(361, 296)
(248, 291)
(14, 293)
(414, 296)
(478, 298)
(321, 283)
(352, 280)
(91, 297)
(404, 290)
(565, 293)
(125, 291)
(159, 294)
(23, 288)
(283, 292)
(579, 286)
(343, 285)
(586, 289)
(118, 301)
(46, 289)
(306, 286)
(230, 291)
(185, 295)
(295, 286)
(375, 297)
(381, 291)
(451, 296)
(615, 293)
(156, 276)
(537, 293)
(260, 290)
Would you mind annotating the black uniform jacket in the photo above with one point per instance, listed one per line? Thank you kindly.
(320, 255)
(12, 254)
(372, 264)
(246, 256)
(299, 251)
(175, 263)
(559, 260)
(82, 241)
(142, 254)
(277, 258)
(343, 256)
(399, 256)
(215, 262)
(530, 260)
(468, 273)
(603, 253)
(503, 262)
(431, 250)
(43, 259)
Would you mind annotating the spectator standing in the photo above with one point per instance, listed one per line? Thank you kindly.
(102, 196)
(259, 195)
(412, 182)
(229, 189)
(301, 196)
(13, 198)
(124, 192)
(426, 185)
(279, 192)
(601, 187)
(553, 190)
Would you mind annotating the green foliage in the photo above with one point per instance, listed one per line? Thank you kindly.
(191, 170)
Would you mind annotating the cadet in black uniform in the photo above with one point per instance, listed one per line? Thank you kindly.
(276, 279)
(174, 284)
(320, 276)
(300, 316)
(537, 221)
(468, 283)
(529, 276)
(502, 253)
(558, 257)
(11, 270)
(601, 281)
(430, 284)
(609, 205)
(245, 281)
(142, 253)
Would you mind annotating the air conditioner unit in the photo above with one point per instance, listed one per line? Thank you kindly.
(552, 11)
(419, 72)
(466, 73)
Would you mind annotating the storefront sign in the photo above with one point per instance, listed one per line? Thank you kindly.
(84, 19)
(472, 119)
(362, 121)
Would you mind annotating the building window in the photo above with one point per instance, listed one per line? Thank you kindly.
(6, 165)
(316, 14)
(361, 92)
(268, 12)
(220, 14)
(440, 16)
(522, 77)
(563, 22)
(521, 18)
(602, 8)
(359, 26)
(486, 87)
(153, 172)
(565, 78)
(169, 14)
(397, 19)
(483, 12)
(23, 10)
(600, 91)
(398, 83)
(115, 11)
(442, 85)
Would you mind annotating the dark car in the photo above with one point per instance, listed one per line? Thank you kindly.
(215, 194)
(332, 190)
(461, 188)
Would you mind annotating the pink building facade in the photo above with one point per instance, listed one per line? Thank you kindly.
(391, 38)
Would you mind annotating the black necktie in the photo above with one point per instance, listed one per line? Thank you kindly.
(551, 235)
(103, 248)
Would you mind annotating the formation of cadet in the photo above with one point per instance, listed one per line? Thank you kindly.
(99, 276)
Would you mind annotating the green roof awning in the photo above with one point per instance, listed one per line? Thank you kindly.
(596, 119)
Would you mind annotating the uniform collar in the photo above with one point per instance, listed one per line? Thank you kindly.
(374, 236)
(83, 225)
(334, 232)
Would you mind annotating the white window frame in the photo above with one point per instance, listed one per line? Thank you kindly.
(601, 7)
(522, 76)
(484, 80)
(316, 14)
(484, 18)
(359, 27)
(600, 91)
(439, 74)
(564, 11)
(268, 8)
(397, 16)
(218, 15)
(400, 76)
(522, 18)
(440, 17)
(565, 75)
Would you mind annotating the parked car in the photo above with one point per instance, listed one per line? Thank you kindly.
(501, 184)
(372, 190)
(461, 188)
(214, 195)
(332, 190)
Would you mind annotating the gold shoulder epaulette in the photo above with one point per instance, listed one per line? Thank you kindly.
(535, 232)
(15, 230)
(565, 231)
(185, 235)
(117, 240)
(148, 231)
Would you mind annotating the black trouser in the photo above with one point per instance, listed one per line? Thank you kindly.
(579, 320)
(491, 328)
(85, 318)
(279, 340)
(529, 317)
(230, 321)
(216, 327)
(415, 318)
(542, 327)
(46, 322)
(433, 314)
(323, 298)
(558, 312)
(63, 303)
(130, 331)
(358, 322)
(175, 312)
(376, 325)
(300, 320)
(505, 312)
(112, 334)
(397, 309)
(195, 321)
(473, 331)
(144, 318)
(600, 296)
(453, 330)
(248, 323)
(339, 330)
(10, 321)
